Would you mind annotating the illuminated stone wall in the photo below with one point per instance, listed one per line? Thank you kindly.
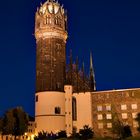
(107, 106)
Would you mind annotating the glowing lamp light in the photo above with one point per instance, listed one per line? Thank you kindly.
(32, 137)
(25, 134)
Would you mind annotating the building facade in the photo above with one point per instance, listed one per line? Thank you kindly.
(67, 100)
(109, 106)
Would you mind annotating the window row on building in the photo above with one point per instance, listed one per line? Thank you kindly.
(102, 125)
(108, 116)
(125, 107)
(108, 107)
(119, 94)
(30, 130)
(57, 20)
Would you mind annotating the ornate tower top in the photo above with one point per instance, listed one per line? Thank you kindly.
(51, 7)
(51, 20)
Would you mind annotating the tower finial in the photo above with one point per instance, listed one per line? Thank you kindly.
(92, 75)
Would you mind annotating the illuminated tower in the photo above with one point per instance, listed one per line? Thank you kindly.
(51, 36)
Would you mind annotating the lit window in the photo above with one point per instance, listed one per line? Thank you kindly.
(108, 116)
(100, 125)
(107, 95)
(134, 106)
(134, 115)
(100, 117)
(36, 98)
(133, 94)
(57, 110)
(127, 94)
(108, 107)
(124, 115)
(135, 124)
(123, 107)
(109, 125)
(99, 108)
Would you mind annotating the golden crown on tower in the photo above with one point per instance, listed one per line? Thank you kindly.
(51, 7)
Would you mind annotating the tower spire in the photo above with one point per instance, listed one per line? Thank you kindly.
(92, 75)
(77, 74)
(83, 76)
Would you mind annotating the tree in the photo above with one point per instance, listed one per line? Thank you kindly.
(138, 120)
(122, 131)
(86, 132)
(117, 128)
(50, 136)
(127, 131)
(15, 122)
(41, 136)
(74, 134)
(62, 134)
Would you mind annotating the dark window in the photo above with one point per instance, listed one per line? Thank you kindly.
(74, 109)
(57, 110)
(36, 98)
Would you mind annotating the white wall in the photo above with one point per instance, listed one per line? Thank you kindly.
(68, 108)
(84, 110)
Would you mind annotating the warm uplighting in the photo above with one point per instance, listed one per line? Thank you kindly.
(32, 137)
(25, 134)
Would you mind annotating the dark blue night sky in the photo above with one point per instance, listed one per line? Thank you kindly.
(109, 28)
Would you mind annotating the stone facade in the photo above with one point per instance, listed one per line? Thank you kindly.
(107, 105)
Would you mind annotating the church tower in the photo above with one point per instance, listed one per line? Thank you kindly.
(51, 36)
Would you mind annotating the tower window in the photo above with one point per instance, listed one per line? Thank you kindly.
(57, 110)
(36, 98)
(48, 19)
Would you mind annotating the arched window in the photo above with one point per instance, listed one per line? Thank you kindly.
(74, 109)
(48, 19)
(56, 20)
